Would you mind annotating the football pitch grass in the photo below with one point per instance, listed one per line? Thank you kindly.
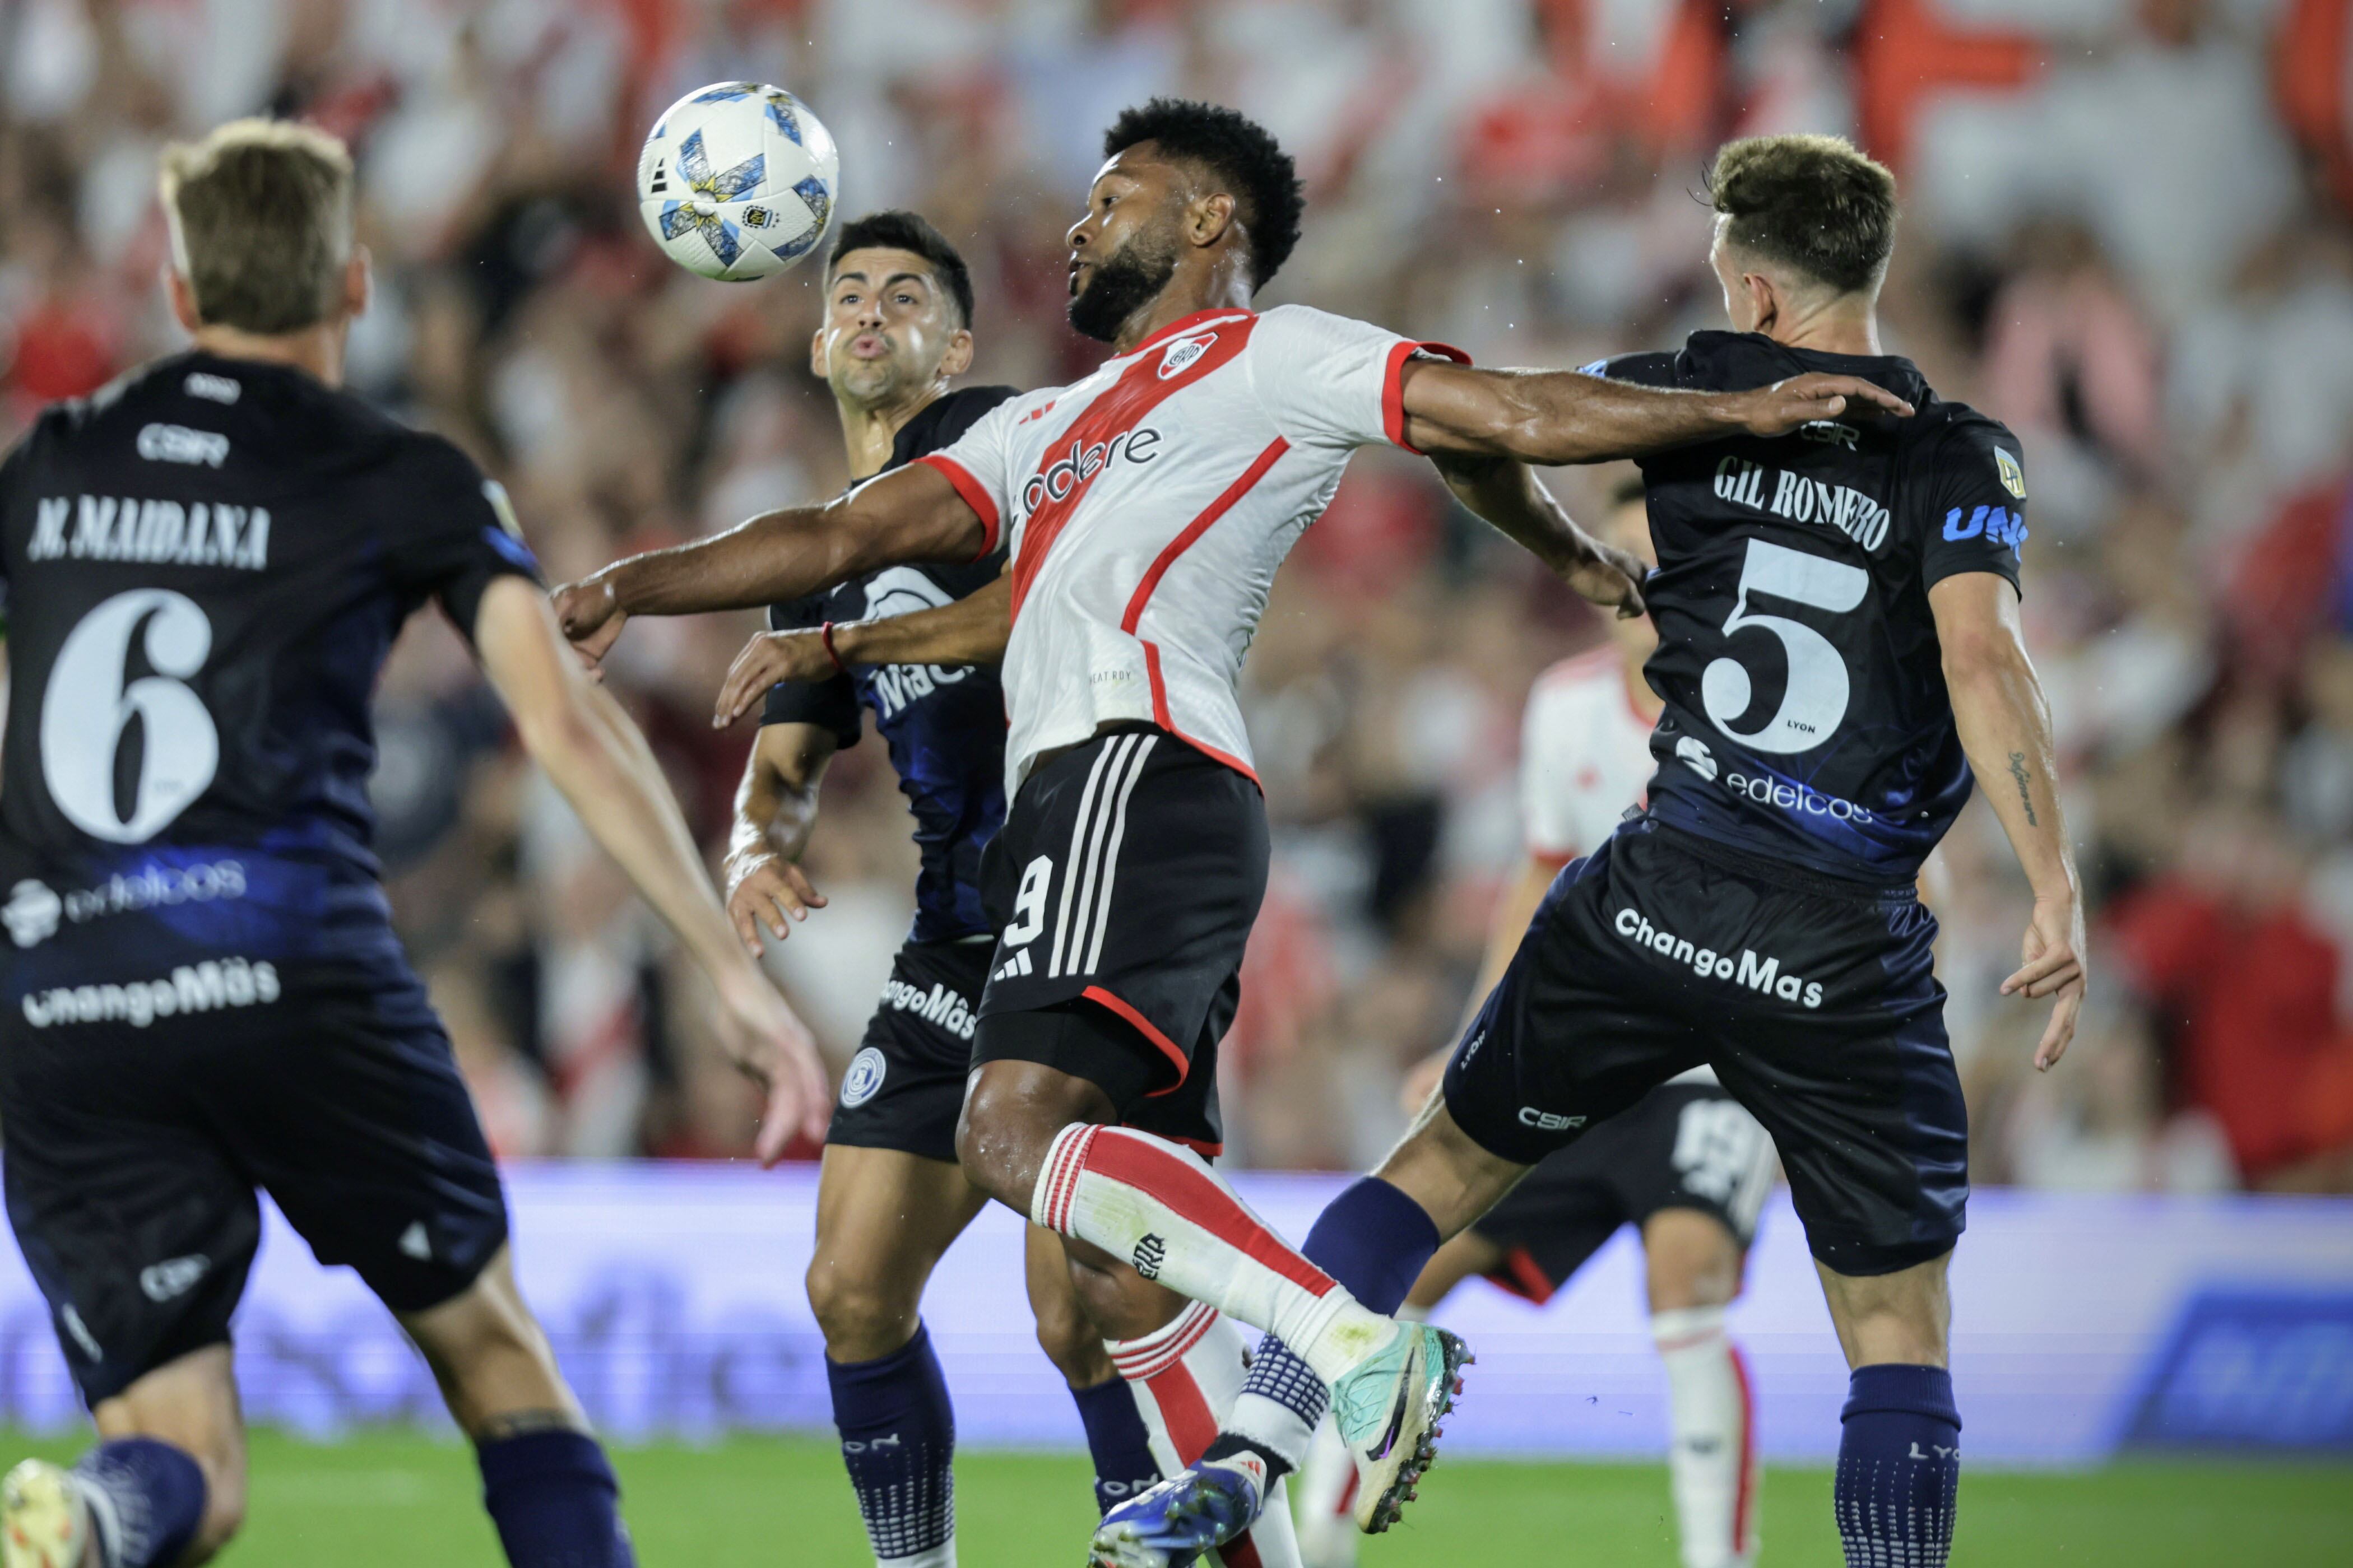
(380, 1499)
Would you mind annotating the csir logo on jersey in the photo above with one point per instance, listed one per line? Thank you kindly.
(1179, 355)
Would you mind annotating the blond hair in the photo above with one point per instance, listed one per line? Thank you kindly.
(260, 213)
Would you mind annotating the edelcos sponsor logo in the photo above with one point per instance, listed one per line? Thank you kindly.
(1801, 499)
(192, 988)
(938, 1005)
(153, 532)
(34, 909)
(1797, 799)
(1082, 463)
(1759, 974)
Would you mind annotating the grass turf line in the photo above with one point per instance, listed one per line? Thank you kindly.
(381, 1500)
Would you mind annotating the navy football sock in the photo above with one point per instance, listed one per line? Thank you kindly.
(555, 1500)
(1117, 1441)
(898, 1440)
(1899, 1471)
(1374, 1240)
(146, 1498)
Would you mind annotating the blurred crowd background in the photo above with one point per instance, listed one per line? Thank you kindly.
(2126, 235)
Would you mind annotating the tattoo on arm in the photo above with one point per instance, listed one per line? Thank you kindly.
(2017, 771)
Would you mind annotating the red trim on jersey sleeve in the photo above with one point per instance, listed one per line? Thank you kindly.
(1393, 385)
(1144, 1026)
(1160, 717)
(976, 496)
(1197, 527)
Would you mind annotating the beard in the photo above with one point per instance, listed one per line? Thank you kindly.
(1123, 284)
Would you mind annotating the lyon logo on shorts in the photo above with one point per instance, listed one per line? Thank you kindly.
(864, 1077)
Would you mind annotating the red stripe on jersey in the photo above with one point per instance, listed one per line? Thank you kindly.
(1393, 385)
(1139, 389)
(1135, 1160)
(976, 496)
(1184, 324)
(1160, 1042)
(1160, 717)
(1197, 527)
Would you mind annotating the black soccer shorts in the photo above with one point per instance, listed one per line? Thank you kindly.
(1683, 1146)
(136, 1138)
(1815, 1000)
(1124, 882)
(905, 1086)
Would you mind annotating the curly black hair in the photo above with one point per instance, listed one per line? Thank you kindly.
(898, 229)
(1238, 155)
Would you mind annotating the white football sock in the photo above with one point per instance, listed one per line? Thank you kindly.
(1186, 1377)
(1158, 1206)
(1713, 1459)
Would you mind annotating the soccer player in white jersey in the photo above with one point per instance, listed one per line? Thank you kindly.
(1688, 1167)
(1149, 505)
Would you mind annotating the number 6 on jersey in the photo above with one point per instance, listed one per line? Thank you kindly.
(87, 711)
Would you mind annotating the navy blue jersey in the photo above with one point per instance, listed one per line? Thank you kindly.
(1806, 714)
(204, 568)
(945, 725)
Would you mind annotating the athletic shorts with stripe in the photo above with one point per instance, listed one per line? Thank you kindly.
(1814, 999)
(1123, 884)
(1683, 1146)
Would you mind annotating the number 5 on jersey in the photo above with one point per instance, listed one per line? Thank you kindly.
(1814, 698)
(87, 711)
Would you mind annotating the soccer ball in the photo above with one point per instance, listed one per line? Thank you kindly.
(737, 181)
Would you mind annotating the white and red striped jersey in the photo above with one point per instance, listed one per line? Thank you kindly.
(1148, 508)
(1584, 756)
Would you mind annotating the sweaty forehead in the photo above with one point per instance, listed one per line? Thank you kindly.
(1141, 163)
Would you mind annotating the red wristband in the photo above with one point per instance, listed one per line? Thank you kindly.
(825, 637)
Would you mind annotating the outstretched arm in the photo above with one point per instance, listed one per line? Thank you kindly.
(911, 513)
(2005, 727)
(1508, 495)
(601, 762)
(973, 630)
(1553, 416)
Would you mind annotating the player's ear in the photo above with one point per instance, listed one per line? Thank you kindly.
(958, 359)
(1764, 302)
(359, 283)
(1209, 216)
(183, 300)
(816, 355)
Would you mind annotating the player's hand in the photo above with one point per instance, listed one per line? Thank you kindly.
(767, 659)
(1612, 578)
(768, 889)
(2053, 966)
(769, 1043)
(591, 616)
(1777, 409)
(1422, 1081)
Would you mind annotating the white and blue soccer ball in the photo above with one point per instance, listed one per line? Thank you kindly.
(737, 181)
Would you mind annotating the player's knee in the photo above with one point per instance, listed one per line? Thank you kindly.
(1073, 1344)
(1693, 1260)
(861, 1318)
(1011, 1113)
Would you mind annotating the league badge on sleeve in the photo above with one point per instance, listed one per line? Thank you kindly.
(2013, 475)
